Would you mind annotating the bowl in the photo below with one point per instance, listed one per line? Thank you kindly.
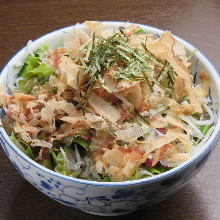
(107, 198)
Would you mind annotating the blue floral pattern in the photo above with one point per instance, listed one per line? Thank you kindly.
(100, 199)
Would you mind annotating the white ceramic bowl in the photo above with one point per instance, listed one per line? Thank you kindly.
(107, 198)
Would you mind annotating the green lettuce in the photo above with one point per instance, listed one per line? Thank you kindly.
(61, 166)
(20, 144)
(34, 71)
(54, 158)
(15, 140)
(29, 152)
(62, 169)
(47, 163)
(139, 31)
(106, 179)
(136, 176)
(82, 142)
(158, 168)
(204, 129)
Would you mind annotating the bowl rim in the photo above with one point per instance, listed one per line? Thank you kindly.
(207, 146)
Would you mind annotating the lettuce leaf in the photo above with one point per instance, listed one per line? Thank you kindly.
(61, 166)
(54, 158)
(82, 142)
(106, 179)
(136, 176)
(62, 169)
(34, 71)
(158, 168)
(139, 31)
(15, 140)
(29, 152)
(204, 129)
(20, 144)
(47, 163)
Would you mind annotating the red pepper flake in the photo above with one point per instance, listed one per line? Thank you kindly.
(148, 162)
(162, 130)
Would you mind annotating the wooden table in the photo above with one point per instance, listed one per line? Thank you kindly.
(196, 21)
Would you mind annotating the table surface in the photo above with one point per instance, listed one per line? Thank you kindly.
(196, 21)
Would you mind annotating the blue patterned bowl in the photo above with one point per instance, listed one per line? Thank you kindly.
(107, 198)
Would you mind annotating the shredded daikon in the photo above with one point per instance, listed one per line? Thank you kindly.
(204, 122)
(197, 132)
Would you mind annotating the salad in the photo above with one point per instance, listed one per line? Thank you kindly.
(109, 105)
